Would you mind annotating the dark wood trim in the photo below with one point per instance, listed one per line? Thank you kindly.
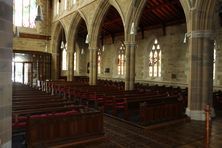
(34, 36)
(31, 52)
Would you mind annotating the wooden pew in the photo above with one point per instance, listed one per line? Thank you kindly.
(45, 131)
(164, 110)
(49, 120)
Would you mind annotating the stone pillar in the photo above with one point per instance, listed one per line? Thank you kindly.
(127, 75)
(92, 66)
(201, 45)
(130, 65)
(70, 75)
(54, 68)
(6, 12)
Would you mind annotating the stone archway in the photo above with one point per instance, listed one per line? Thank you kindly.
(98, 18)
(71, 42)
(54, 46)
(94, 34)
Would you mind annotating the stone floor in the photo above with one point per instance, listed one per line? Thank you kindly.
(183, 135)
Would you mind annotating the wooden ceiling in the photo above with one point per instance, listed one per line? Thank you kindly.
(161, 13)
(82, 30)
(112, 23)
(156, 14)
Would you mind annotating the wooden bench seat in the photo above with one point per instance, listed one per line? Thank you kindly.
(42, 131)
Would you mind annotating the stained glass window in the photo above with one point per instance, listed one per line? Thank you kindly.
(155, 60)
(121, 60)
(99, 61)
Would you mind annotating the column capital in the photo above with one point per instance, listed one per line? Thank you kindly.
(201, 34)
(131, 44)
(93, 49)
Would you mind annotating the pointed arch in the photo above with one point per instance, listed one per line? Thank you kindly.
(134, 15)
(74, 29)
(102, 9)
(135, 10)
(56, 31)
(199, 5)
(55, 36)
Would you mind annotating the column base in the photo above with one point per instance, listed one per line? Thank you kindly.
(6, 145)
(199, 114)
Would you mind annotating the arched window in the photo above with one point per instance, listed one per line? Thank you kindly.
(214, 60)
(121, 59)
(64, 58)
(99, 62)
(74, 58)
(155, 60)
(25, 12)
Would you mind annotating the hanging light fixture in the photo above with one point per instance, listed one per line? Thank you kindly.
(103, 48)
(16, 32)
(39, 16)
(185, 38)
(102, 42)
(63, 44)
(132, 30)
(82, 51)
(87, 39)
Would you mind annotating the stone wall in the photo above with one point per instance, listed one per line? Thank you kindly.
(174, 56)
(218, 75)
(5, 72)
(30, 44)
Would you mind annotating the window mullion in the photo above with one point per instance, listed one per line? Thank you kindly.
(158, 63)
(22, 12)
(29, 12)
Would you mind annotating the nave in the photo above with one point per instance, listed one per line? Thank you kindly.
(32, 114)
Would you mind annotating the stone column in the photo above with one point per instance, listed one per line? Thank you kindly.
(54, 66)
(130, 65)
(70, 75)
(94, 81)
(6, 11)
(92, 66)
(127, 75)
(201, 47)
